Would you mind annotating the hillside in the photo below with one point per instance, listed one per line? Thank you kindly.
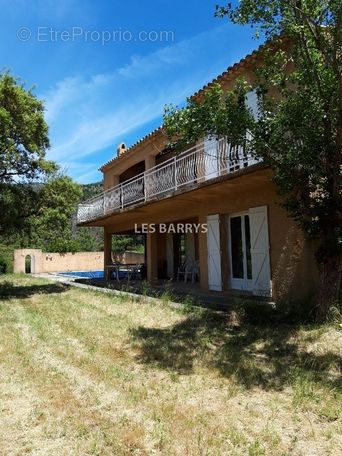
(92, 190)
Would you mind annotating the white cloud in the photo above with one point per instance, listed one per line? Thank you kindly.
(83, 172)
(89, 115)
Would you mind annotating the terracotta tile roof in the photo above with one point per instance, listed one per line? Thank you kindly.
(229, 72)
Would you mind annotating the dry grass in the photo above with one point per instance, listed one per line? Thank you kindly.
(84, 373)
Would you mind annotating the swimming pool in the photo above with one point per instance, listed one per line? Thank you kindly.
(84, 274)
(123, 274)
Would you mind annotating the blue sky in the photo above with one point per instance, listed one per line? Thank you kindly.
(104, 82)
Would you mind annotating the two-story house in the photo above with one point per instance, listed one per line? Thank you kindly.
(250, 245)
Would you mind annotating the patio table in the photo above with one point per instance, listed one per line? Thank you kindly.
(116, 267)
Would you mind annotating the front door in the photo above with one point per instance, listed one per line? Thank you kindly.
(240, 252)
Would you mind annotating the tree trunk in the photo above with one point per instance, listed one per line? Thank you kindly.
(329, 287)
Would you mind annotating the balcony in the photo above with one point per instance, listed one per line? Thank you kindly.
(196, 165)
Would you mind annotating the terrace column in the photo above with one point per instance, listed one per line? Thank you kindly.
(151, 257)
(203, 255)
(107, 248)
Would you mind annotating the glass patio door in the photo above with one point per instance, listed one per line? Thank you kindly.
(240, 252)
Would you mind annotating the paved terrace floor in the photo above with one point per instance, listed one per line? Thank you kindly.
(186, 293)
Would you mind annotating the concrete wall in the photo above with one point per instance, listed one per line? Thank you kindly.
(60, 262)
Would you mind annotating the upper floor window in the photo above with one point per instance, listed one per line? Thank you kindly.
(252, 103)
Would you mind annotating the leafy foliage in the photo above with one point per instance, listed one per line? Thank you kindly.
(121, 243)
(51, 226)
(6, 259)
(23, 133)
(217, 113)
(91, 190)
(17, 203)
(37, 204)
(298, 131)
(23, 144)
(52, 223)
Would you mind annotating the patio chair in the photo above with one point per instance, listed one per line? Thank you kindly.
(135, 271)
(188, 269)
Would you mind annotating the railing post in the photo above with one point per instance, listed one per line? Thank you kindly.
(145, 186)
(121, 197)
(175, 165)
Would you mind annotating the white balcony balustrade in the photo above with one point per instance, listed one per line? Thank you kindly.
(198, 164)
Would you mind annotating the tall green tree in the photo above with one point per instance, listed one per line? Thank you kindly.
(23, 144)
(298, 132)
(37, 204)
(51, 225)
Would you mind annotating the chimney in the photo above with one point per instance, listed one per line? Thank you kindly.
(121, 149)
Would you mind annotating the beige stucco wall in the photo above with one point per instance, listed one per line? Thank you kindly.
(57, 262)
(61, 262)
(19, 256)
(293, 267)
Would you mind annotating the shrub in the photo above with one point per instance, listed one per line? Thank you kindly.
(3, 266)
(6, 259)
(60, 245)
(295, 310)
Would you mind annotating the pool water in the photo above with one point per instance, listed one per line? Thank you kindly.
(123, 274)
(84, 274)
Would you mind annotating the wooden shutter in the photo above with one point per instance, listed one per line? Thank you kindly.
(260, 251)
(214, 253)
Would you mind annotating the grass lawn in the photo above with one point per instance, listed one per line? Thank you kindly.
(86, 373)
